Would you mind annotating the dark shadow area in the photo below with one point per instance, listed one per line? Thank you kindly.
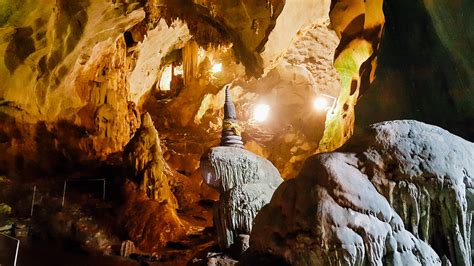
(418, 77)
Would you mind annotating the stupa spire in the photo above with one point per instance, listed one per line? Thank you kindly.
(230, 128)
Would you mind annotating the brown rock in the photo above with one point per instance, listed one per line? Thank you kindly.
(149, 223)
(127, 247)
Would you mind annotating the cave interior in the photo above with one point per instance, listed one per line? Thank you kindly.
(244, 132)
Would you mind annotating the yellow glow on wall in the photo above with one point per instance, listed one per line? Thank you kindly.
(340, 123)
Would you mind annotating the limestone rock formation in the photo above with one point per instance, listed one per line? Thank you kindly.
(65, 100)
(246, 183)
(359, 25)
(401, 194)
(149, 215)
(154, 176)
(296, 70)
(154, 191)
(148, 223)
(143, 154)
(76, 75)
(126, 248)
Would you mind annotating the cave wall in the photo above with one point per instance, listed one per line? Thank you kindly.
(426, 67)
(359, 25)
(46, 45)
(77, 75)
(64, 101)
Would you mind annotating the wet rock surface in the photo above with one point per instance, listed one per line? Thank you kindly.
(401, 193)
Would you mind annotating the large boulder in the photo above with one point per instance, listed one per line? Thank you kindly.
(400, 193)
(246, 182)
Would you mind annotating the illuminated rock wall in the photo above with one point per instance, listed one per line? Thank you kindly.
(76, 75)
(63, 95)
(360, 25)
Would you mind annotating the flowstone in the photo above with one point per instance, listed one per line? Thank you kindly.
(246, 183)
(399, 194)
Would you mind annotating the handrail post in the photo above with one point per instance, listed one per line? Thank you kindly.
(64, 193)
(103, 191)
(33, 201)
(17, 246)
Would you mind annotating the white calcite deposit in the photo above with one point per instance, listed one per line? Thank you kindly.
(246, 182)
(399, 194)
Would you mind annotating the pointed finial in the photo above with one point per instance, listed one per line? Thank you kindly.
(229, 108)
(230, 128)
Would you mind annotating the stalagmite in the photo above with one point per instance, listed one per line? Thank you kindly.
(246, 183)
(144, 156)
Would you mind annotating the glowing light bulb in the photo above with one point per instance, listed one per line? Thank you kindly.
(216, 68)
(320, 104)
(323, 102)
(178, 70)
(261, 112)
(165, 81)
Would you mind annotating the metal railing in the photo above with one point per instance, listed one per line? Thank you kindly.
(65, 186)
(9, 247)
(82, 180)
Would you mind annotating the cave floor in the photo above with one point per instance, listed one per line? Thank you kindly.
(47, 238)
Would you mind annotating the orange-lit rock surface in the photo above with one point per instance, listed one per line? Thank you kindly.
(359, 25)
(77, 75)
(89, 67)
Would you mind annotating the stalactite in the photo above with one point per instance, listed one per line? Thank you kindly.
(190, 61)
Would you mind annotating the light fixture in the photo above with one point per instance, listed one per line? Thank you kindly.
(261, 112)
(178, 70)
(165, 81)
(324, 102)
(216, 68)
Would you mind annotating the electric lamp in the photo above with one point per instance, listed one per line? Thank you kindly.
(261, 112)
(323, 102)
(216, 68)
(165, 81)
